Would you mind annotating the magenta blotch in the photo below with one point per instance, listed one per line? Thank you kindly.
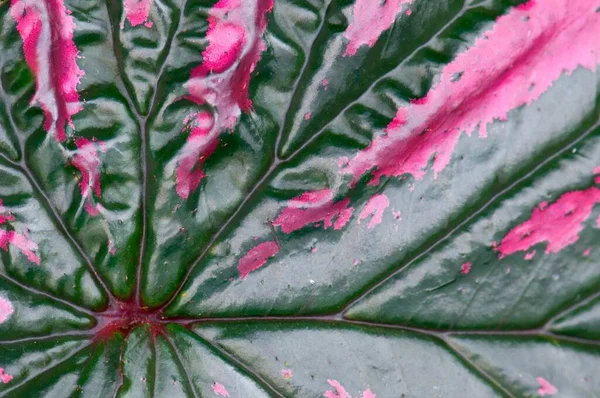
(558, 224)
(137, 11)
(312, 207)
(257, 257)
(375, 206)
(5, 377)
(545, 387)
(6, 309)
(220, 390)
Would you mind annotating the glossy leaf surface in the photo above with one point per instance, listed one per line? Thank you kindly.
(338, 198)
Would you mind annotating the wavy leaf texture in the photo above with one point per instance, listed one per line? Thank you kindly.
(284, 198)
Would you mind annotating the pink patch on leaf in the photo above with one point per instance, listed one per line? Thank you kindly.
(6, 309)
(257, 257)
(369, 19)
(545, 387)
(587, 252)
(465, 268)
(46, 28)
(286, 373)
(4, 377)
(307, 116)
(5, 214)
(559, 224)
(397, 214)
(235, 29)
(375, 206)
(87, 161)
(515, 62)
(368, 394)
(325, 84)
(220, 390)
(312, 207)
(530, 255)
(137, 11)
(340, 391)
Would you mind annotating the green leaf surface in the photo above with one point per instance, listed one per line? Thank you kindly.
(284, 198)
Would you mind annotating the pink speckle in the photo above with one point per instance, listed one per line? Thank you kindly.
(408, 12)
(369, 20)
(340, 392)
(46, 28)
(257, 257)
(545, 387)
(111, 247)
(148, 24)
(286, 373)
(513, 65)
(543, 204)
(4, 377)
(6, 309)
(220, 390)
(375, 206)
(312, 207)
(87, 161)
(235, 30)
(314, 250)
(356, 262)
(559, 224)
(368, 394)
(307, 116)
(587, 251)
(465, 268)
(596, 170)
(325, 84)
(397, 214)
(530, 255)
(137, 12)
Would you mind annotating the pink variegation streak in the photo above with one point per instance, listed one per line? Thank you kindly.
(557, 224)
(46, 28)
(312, 207)
(340, 391)
(370, 18)
(20, 241)
(235, 30)
(511, 65)
(257, 257)
(87, 160)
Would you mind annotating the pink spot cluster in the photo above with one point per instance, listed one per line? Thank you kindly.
(46, 28)
(235, 29)
(219, 389)
(87, 161)
(370, 18)
(545, 387)
(340, 391)
(287, 374)
(466, 268)
(6, 309)
(20, 241)
(137, 11)
(512, 65)
(558, 224)
(257, 257)
(5, 377)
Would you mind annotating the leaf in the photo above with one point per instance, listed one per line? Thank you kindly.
(349, 198)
